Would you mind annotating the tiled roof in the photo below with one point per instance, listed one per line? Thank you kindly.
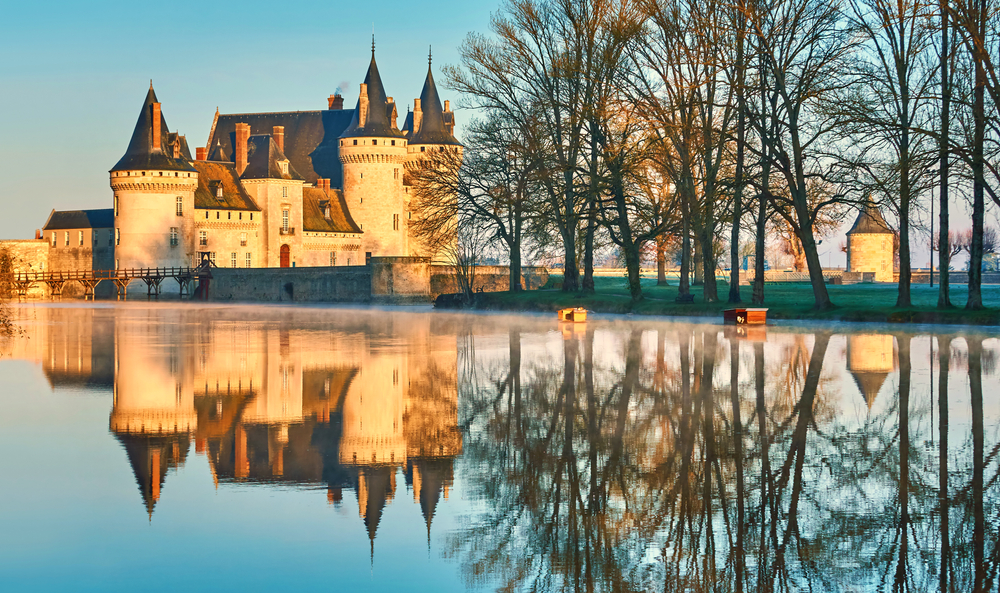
(433, 128)
(264, 160)
(213, 176)
(312, 139)
(377, 123)
(870, 221)
(141, 154)
(81, 219)
(314, 201)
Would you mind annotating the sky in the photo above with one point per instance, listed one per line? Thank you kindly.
(73, 77)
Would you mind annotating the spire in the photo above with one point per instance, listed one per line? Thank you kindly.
(432, 128)
(149, 147)
(377, 118)
(870, 220)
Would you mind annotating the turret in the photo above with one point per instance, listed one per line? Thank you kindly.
(373, 151)
(431, 128)
(154, 186)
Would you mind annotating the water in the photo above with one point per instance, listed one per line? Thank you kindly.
(161, 448)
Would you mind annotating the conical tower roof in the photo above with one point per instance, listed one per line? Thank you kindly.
(870, 221)
(377, 121)
(141, 154)
(432, 125)
(218, 153)
(869, 383)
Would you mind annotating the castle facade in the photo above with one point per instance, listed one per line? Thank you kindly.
(279, 189)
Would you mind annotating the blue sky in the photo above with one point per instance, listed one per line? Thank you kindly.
(73, 77)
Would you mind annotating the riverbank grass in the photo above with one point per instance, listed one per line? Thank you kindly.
(786, 300)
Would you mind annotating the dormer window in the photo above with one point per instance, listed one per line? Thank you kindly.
(216, 187)
(284, 167)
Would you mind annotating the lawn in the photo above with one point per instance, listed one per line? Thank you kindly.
(788, 300)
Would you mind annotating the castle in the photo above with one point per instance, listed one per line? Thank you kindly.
(281, 189)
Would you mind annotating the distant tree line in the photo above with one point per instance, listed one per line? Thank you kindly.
(685, 124)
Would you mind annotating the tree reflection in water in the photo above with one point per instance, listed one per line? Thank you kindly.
(688, 460)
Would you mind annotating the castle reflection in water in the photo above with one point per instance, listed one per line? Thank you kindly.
(266, 404)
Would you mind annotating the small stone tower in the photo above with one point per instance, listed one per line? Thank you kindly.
(154, 185)
(373, 151)
(870, 245)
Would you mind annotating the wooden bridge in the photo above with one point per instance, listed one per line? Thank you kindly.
(90, 279)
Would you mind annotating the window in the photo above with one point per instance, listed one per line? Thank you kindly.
(374, 142)
(248, 259)
(206, 215)
(229, 215)
(333, 258)
(355, 142)
(202, 238)
(232, 260)
(81, 238)
(393, 142)
(54, 239)
(173, 236)
(395, 173)
(243, 239)
(116, 205)
(118, 236)
(251, 216)
(422, 148)
(180, 206)
(284, 219)
(111, 238)
(95, 237)
(395, 222)
(218, 215)
(66, 237)
(211, 257)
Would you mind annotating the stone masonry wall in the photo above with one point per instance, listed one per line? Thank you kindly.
(870, 253)
(30, 255)
(344, 284)
(444, 279)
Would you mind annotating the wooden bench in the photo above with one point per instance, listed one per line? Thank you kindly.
(745, 316)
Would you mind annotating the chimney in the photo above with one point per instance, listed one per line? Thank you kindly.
(447, 105)
(418, 115)
(363, 105)
(278, 133)
(201, 153)
(177, 146)
(242, 136)
(155, 140)
(335, 102)
(38, 233)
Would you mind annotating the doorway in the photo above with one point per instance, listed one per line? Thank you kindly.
(286, 256)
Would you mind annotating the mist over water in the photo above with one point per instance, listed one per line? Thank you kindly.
(164, 447)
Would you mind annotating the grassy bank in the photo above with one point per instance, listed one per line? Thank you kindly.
(858, 302)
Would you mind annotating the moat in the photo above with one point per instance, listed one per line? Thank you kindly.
(182, 447)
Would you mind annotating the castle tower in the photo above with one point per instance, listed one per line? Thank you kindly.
(432, 146)
(372, 151)
(870, 244)
(154, 185)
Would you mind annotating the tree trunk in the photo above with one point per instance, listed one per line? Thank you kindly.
(515, 268)
(758, 257)
(661, 261)
(944, 361)
(684, 287)
(588, 248)
(903, 296)
(820, 293)
(978, 466)
(944, 249)
(571, 274)
(711, 290)
(699, 260)
(978, 174)
(902, 530)
(741, 134)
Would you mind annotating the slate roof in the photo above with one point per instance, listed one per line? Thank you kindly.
(869, 384)
(140, 448)
(212, 175)
(264, 158)
(314, 201)
(80, 219)
(218, 154)
(141, 154)
(378, 122)
(433, 128)
(870, 221)
(312, 139)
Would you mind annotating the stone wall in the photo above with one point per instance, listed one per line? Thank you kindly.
(30, 255)
(388, 280)
(444, 279)
(871, 252)
(343, 284)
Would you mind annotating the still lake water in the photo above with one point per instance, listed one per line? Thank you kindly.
(163, 448)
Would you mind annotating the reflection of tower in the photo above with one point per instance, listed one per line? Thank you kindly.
(870, 360)
(153, 413)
